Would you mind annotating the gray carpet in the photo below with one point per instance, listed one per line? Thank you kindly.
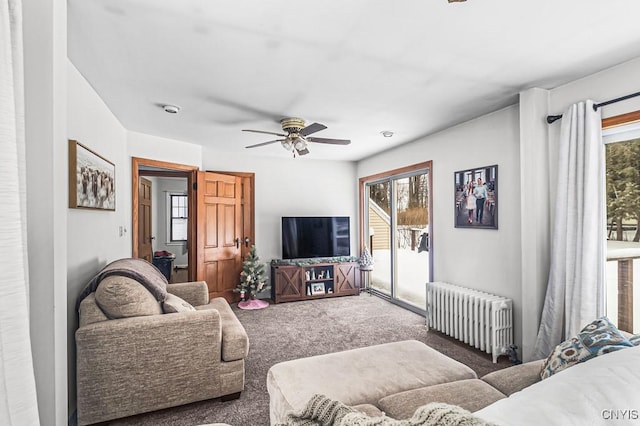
(299, 329)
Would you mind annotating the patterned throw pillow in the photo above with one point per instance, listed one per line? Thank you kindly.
(598, 338)
(635, 340)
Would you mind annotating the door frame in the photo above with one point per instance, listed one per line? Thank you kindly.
(165, 169)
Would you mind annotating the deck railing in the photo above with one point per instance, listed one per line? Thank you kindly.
(622, 259)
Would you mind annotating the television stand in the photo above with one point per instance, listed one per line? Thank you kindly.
(305, 281)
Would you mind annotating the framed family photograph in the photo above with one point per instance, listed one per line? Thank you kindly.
(92, 182)
(476, 198)
(317, 288)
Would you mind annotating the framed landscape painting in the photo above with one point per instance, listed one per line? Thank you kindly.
(476, 198)
(92, 183)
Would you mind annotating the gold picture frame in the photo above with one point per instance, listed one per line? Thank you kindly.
(92, 179)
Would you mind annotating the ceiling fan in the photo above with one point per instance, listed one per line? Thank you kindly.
(296, 136)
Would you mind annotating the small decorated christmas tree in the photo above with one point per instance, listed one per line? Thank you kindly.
(366, 260)
(253, 278)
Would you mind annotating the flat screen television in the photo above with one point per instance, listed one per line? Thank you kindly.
(308, 237)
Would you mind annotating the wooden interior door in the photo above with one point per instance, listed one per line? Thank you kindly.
(219, 232)
(145, 236)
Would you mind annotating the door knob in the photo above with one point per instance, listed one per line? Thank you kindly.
(237, 242)
(246, 241)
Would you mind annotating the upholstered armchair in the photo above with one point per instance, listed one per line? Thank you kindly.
(134, 357)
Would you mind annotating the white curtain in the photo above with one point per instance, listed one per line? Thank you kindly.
(18, 403)
(575, 292)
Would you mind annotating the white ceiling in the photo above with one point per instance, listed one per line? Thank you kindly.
(358, 66)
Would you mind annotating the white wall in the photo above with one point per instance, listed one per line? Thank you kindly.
(483, 259)
(534, 212)
(292, 187)
(162, 149)
(612, 83)
(93, 237)
(45, 60)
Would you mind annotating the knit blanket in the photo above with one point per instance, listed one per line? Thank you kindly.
(323, 411)
(137, 269)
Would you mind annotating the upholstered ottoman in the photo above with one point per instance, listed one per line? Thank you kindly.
(359, 376)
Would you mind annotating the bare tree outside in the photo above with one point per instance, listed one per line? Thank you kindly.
(623, 190)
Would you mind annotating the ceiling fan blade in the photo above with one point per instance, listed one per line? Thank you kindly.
(264, 143)
(312, 128)
(330, 141)
(262, 131)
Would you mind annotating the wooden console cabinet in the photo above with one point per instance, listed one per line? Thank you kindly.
(312, 281)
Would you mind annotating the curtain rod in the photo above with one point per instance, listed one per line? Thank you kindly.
(553, 118)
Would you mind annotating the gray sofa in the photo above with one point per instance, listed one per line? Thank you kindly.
(394, 378)
(137, 359)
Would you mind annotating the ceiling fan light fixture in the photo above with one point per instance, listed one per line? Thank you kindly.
(299, 144)
(286, 144)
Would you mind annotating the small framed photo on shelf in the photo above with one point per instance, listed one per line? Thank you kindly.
(317, 288)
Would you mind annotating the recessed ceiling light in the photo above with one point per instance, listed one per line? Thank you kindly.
(386, 133)
(171, 109)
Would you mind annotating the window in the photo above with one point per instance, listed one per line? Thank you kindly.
(622, 153)
(179, 214)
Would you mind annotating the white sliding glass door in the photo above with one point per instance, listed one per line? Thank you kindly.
(396, 224)
(379, 241)
(411, 236)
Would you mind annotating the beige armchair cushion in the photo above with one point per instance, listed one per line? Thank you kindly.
(513, 379)
(195, 293)
(89, 312)
(470, 394)
(122, 297)
(173, 304)
(235, 343)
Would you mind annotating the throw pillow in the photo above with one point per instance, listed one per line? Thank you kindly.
(597, 338)
(122, 297)
(635, 340)
(173, 304)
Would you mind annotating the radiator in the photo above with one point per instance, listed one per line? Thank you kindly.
(482, 320)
